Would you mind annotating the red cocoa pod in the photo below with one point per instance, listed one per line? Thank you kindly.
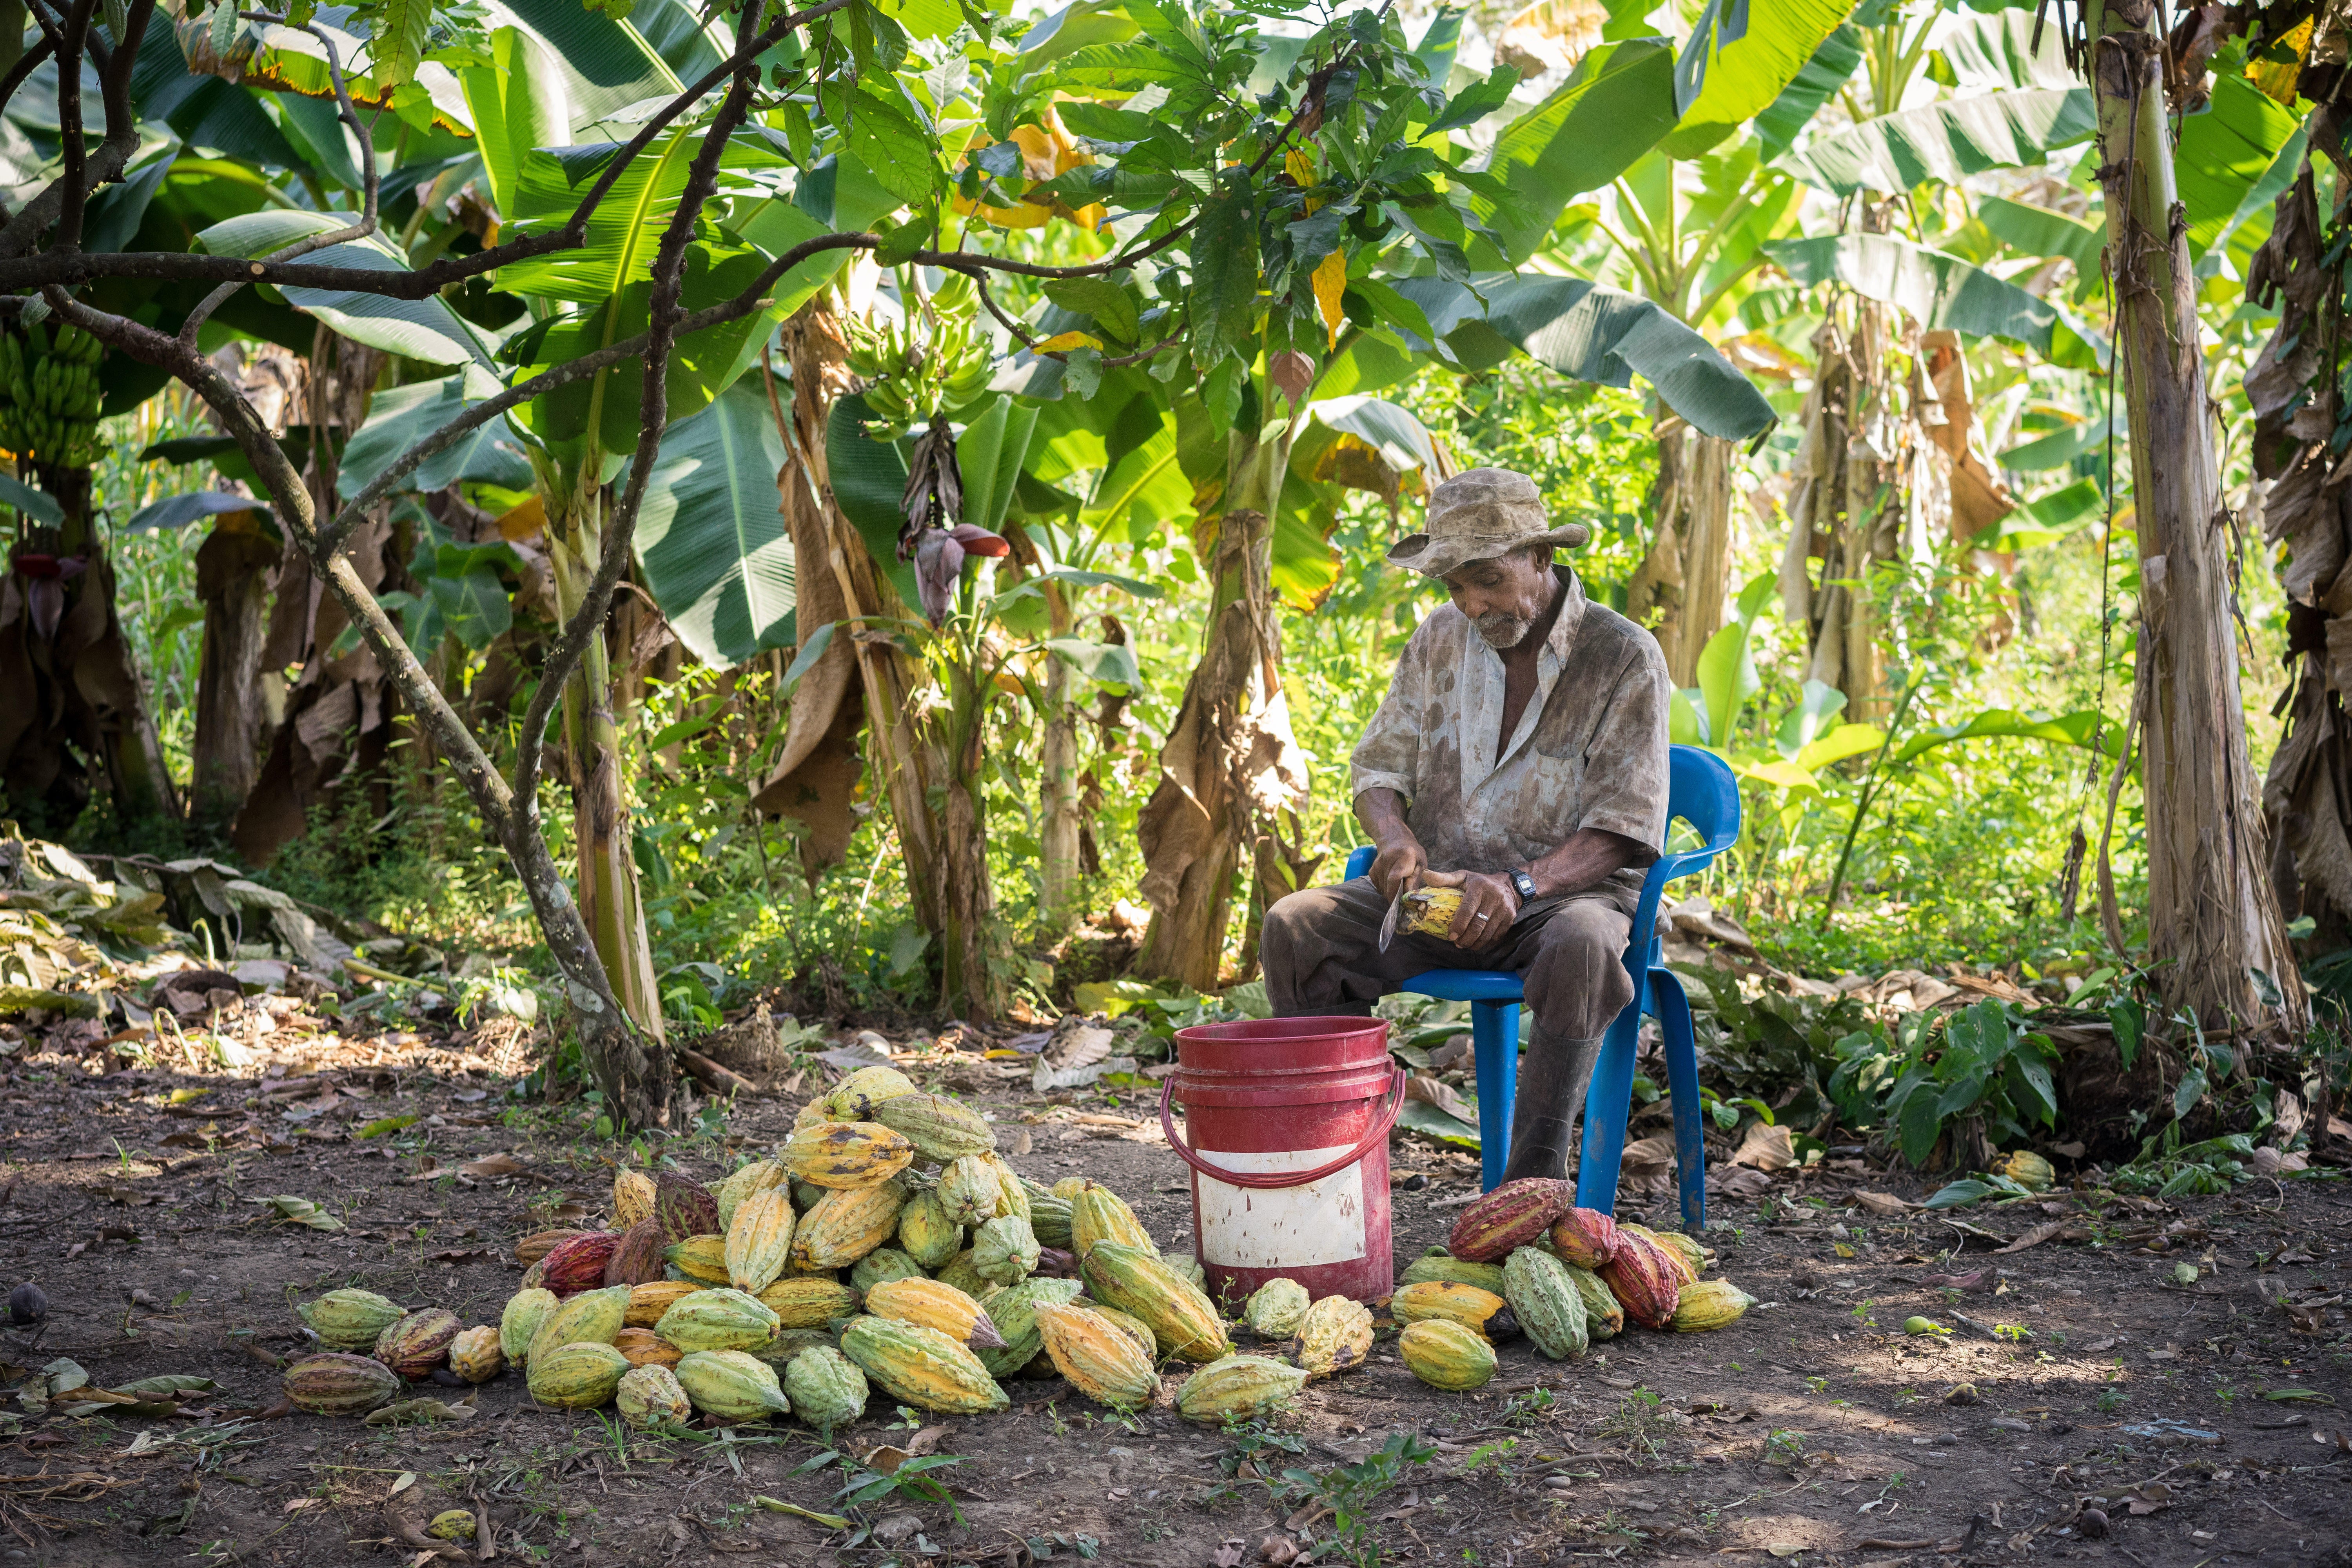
(1644, 1280)
(637, 1260)
(685, 1208)
(413, 1345)
(1586, 1238)
(578, 1263)
(1510, 1216)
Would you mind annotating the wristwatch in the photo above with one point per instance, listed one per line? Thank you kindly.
(1523, 884)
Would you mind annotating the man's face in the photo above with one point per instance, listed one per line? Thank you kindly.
(1505, 597)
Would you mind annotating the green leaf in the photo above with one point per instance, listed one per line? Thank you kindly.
(517, 106)
(617, 56)
(812, 648)
(1810, 720)
(1420, 1116)
(400, 416)
(989, 454)
(1959, 1194)
(2058, 449)
(884, 135)
(2123, 1018)
(711, 537)
(1728, 678)
(1591, 334)
(425, 329)
(1934, 289)
(2047, 519)
(1105, 664)
(1224, 252)
(1947, 140)
(1617, 104)
(2072, 730)
(473, 605)
(869, 480)
(36, 504)
(2031, 1088)
(2188, 1092)
(1109, 303)
(1996, 49)
(1845, 741)
(397, 45)
(1831, 67)
(2037, 231)
(385, 1125)
(1919, 1127)
(1740, 58)
(2224, 152)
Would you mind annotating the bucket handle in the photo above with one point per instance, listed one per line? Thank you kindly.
(1276, 1179)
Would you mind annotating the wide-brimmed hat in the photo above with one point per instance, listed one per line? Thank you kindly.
(1479, 514)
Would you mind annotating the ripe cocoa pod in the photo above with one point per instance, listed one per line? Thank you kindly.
(649, 1300)
(1098, 1359)
(1685, 1254)
(1237, 1388)
(632, 1198)
(939, 1129)
(1336, 1334)
(846, 1155)
(701, 1258)
(809, 1303)
(532, 1248)
(1275, 1308)
(1013, 1309)
(847, 1224)
(578, 1263)
(936, 1306)
(638, 1257)
(1645, 1279)
(1480, 1312)
(1586, 1238)
(475, 1355)
(759, 1240)
(520, 1323)
(921, 1367)
(758, 1176)
(645, 1348)
(350, 1319)
(649, 1398)
(926, 1232)
(717, 1321)
(825, 1388)
(1097, 1213)
(1445, 1354)
(1710, 1304)
(577, 1376)
(855, 1097)
(684, 1207)
(1181, 1317)
(1513, 1215)
(418, 1342)
(592, 1316)
(732, 1386)
(334, 1382)
(1004, 1250)
(1439, 1264)
(1604, 1318)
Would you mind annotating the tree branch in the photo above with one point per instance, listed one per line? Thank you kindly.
(72, 156)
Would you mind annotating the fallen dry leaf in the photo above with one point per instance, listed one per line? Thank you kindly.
(1766, 1148)
(1883, 1202)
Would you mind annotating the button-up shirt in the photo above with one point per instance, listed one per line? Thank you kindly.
(1588, 752)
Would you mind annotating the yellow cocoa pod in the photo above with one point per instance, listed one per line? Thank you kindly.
(475, 1355)
(1182, 1321)
(1237, 1388)
(1276, 1308)
(648, 1301)
(701, 1258)
(1430, 911)
(1686, 1256)
(961, 1272)
(1445, 1354)
(717, 1320)
(1710, 1304)
(971, 1189)
(592, 1316)
(649, 1398)
(1097, 1213)
(926, 1233)
(759, 1239)
(519, 1324)
(1480, 1312)
(809, 1303)
(847, 1224)
(1099, 1358)
(855, 1097)
(758, 1176)
(1127, 1323)
(921, 1367)
(1336, 1334)
(846, 1153)
(941, 1129)
(732, 1386)
(645, 1348)
(577, 1376)
(2027, 1169)
(934, 1305)
(1439, 1264)
(632, 1198)
(1069, 1188)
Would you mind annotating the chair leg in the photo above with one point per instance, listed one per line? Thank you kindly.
(1495, 1036)
(1674, 1015)
(1607, 1104)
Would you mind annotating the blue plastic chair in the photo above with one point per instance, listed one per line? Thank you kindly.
(1701, 791)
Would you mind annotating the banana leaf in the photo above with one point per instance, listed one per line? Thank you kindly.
(711, 536)
(427, 328)
(1947, 140)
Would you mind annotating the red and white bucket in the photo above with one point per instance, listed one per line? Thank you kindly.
(1287, 1136)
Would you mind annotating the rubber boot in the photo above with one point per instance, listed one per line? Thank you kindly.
(1553, 1076)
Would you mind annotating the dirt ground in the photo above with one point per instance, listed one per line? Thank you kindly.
(2202, 1422)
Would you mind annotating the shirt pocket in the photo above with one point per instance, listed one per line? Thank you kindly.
(1550, 801)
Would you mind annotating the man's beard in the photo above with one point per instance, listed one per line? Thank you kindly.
(1500, 631)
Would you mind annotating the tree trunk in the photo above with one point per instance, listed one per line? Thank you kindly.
(1686, 577)
(974, 965)
(1230, 763)
(608, 894)
(232, 570)
(2213, 918)
(1057, 784)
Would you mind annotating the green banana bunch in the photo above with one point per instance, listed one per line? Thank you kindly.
(911, 379)
(49, 394)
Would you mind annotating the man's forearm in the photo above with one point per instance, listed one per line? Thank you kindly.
(1380, 812)
(1589, 857)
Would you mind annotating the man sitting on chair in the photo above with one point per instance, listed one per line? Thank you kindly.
(1520, 755)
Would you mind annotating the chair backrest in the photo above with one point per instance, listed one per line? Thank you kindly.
(1701, 789)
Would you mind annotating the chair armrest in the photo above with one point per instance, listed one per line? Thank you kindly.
(1360, 861)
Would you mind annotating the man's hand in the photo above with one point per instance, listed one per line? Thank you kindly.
(1400, 866)
(1490, 905)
